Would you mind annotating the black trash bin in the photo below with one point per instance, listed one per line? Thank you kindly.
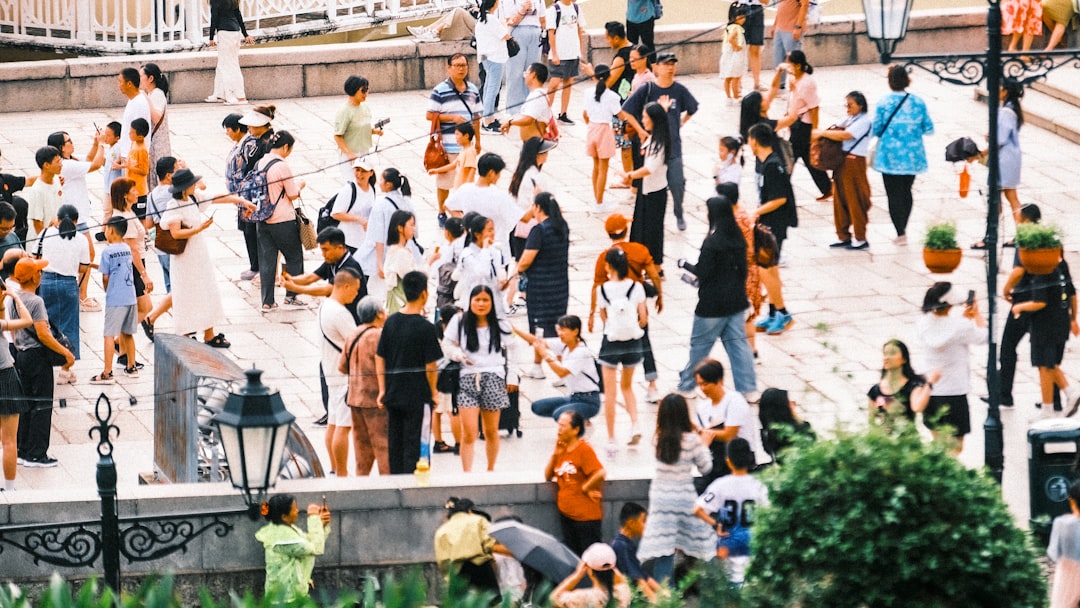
(1053, 445)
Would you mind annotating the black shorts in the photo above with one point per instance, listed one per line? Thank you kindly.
(1047, 354)
(956, 414)
(140, 286)
(517, 246)
(628, 353)
(755, 26)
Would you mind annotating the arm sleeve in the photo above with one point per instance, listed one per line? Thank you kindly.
(702, 456)
(432, 351)
(240, 21)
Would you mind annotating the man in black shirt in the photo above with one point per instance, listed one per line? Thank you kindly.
(9, 185)
(337, 256)
(1052, 305)
(406, 364)
(778, 212)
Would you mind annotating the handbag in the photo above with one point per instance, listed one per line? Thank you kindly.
(165, 242)
(435, 156)
(512, 47)
(449, 379)
(56, 359)
(826, 154)
(766, 250)
(308, 238)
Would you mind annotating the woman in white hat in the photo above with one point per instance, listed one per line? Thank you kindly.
(598, 563)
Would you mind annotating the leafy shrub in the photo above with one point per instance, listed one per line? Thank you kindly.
(941, 236)
(1037, 236)
(883, 519)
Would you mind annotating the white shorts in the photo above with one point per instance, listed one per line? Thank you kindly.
(338, 413)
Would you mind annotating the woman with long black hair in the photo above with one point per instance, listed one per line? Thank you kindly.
(481, 263)
(672, 524)
(527, 182)
(545, 263)
(156, 88)
(480, 341)
(651, 202)
(394, 195)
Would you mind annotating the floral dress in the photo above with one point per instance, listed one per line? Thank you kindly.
(1021, 17)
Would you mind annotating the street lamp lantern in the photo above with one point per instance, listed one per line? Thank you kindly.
(253, 427)
(886, 24)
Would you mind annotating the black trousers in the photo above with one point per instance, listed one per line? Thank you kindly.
(898, 191)
(405, 428)
(648, 226)
(642, 32)
(578, 535)
(1015, 330)
(800, 147)
(35, 426)
(251, 243)
(283, 237)
(649, 363)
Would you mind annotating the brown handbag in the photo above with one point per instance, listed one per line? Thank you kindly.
(165, 242)
(826, 154)
(435, 156)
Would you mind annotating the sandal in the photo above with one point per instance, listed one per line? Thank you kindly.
(218, 341)
(269, 307)
(148, 329)
(442, 448)
(103, 378)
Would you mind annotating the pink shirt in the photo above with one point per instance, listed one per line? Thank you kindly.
(278, 178)
(804, 97)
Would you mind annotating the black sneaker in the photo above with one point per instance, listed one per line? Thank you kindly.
(492, 129)
(44, 462)
(442, 220)
(322, 421)
(564, 119)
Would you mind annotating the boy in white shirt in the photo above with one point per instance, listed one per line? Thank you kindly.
(565, 34)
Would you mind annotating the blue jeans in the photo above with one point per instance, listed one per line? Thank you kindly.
(61, 296)
(586, 404)
(528, 37)
(784, 43)
(164, 260)
(732, 331)
(492, 83)
(663, 568)
(676, 183)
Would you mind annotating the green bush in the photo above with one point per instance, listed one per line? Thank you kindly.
(884, 519)
(941, 236)
(1037, 236)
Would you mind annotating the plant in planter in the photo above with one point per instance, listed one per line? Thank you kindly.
(1040, 247)
(941, 254)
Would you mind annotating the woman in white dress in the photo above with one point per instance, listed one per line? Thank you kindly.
(156, 88)
(196, 300)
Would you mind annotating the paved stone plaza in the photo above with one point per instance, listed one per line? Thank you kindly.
(845, 303)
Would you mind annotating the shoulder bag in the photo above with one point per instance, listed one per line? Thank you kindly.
(435, 156)
(308, 238)
(872, 152)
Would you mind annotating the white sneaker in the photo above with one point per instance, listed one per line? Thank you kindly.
(536, 372)
(558, 382)
(752, 396)
(652, 395)
(423, 34)
(607, 207)
(635, 435)
(1072, 401)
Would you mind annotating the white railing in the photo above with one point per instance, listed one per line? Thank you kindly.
(139, 26)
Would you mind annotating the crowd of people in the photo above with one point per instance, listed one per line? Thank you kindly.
(393, 375)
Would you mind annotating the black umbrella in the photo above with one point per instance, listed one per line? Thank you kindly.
(536, 549)
(961, 149)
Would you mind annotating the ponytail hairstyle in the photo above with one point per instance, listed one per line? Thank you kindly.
(394, 177)
(280, 139)
(526, 160)
(69, 217)
(1014, 91)
(474, 228)
(601, 73)
(616, 258)
(734, 145)
(153, 72)
(798, 58)
(550, 207)
(277, 507)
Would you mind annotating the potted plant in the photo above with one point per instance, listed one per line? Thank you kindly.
(941, 254)
(1040, 247)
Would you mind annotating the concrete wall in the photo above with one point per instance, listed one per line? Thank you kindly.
(401, 64)
(378, 524)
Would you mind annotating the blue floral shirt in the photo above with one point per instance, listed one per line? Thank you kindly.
(900, 149)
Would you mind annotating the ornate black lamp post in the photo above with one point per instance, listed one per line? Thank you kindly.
(886, 25)
(253, 428)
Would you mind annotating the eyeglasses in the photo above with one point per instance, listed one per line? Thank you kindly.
(459, 65)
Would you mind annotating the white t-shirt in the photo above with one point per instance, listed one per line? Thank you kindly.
(733, 410)
(354, 232)
(567, 35)
(398, 263)
(483, 359)
(536, 106)
(734, 497)
(43, 201)
(491, 202)
(490, 39)
(76, 193)
(64, 255)
(945, 341)
(337, 324)
(656, 180)
(378, 225)
(137, 107)
(601, 112)
(583, 377)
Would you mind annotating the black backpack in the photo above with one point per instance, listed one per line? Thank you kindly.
(324, 219)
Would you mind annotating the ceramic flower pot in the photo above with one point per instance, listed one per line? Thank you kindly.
(1040, 261)
(941, 261)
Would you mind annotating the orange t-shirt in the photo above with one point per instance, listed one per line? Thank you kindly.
(637, 257)
(575, 468)
(139, 169)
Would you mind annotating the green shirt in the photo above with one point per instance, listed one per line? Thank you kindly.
(353, 123)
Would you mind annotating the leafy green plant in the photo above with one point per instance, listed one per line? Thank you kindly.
(881, 518)
(1037, 236)
(941, 236)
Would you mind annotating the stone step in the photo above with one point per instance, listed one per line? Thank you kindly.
(1051, 107)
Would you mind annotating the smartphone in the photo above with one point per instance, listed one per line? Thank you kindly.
(689, 279)
(324, 502)
(971, 298)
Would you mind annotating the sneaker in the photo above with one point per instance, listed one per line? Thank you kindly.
(90, 305)
(322, 421)
(1072, 401)
(294, 301)
(131, 372)
(612, 450)
(844, 244)
(564, 119)
(752, 397)
(423, 34)
(20, 461)
(681, 223)
(652, 395)
(492, 129)
(635, 435)
(43, 462)
(779, 324)
(514, 310)
(558, 382)
(605, 208)
(442, 220)
(763, 323)
(535, 372)
(247, 275)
